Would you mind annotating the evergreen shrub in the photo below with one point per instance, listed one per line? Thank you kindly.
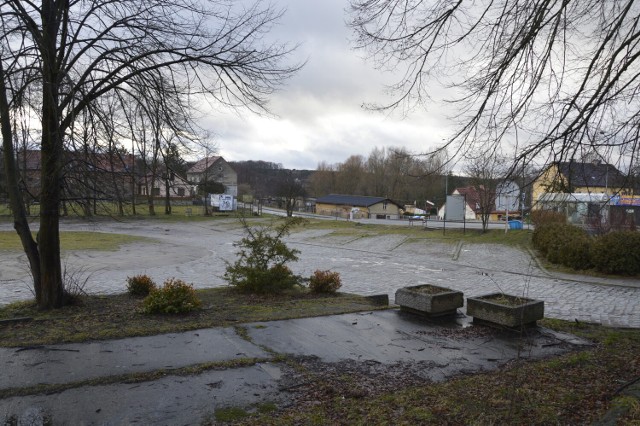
(261, 264)
(564, 244)
(617, 253)
(174, 297)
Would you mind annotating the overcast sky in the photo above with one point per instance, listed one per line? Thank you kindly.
(318, 114)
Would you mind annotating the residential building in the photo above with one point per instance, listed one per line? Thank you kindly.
(591, 194)
(580, 178)
(179, 188)
(358, 206)
(214, 169)
(473, 204)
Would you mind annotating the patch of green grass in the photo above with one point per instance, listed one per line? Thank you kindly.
(593, 332)
(242, 332)
(117, 316)
(234, 414)
(70, 241)
(470, 236)
(230, 414)
(107, 210)
(266, 407)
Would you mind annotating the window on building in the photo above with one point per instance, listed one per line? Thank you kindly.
(156, 192)
(180, 192)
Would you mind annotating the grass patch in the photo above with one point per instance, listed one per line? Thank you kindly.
(575, 388)
(470, 236)
(105, 210)
(70, 241)
(234, 414)
(117, 316)
(230, 414)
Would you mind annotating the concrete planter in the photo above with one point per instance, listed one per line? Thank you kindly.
(505, 310)
(429, 300)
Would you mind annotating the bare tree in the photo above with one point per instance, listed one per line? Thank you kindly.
(72, 52)
(323, 180)
(289, 187)
(558, 77)
(376, 172)
(350, 176)
(485, 172)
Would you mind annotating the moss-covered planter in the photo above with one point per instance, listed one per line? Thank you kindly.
(429, 300)
(505, 310)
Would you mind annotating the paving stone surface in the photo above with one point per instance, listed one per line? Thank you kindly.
(196, 252)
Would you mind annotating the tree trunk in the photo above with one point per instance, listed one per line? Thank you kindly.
(167, 198)
(20, 222)
(49, 235)
(51, 160)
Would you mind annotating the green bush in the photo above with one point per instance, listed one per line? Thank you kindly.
(260, 267)
(575, 250)
(544, 238)
(617, 253)
(324, 282)
(564, 244)
(547, 217)
(275, 279)
(174, 297)
(140, 285)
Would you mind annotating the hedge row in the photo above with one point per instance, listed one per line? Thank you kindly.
(613, 253)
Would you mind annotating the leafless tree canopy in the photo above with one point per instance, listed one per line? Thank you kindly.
(60, 59)
(557, 77)
(394, 173)
(485, 171)
(100, 45)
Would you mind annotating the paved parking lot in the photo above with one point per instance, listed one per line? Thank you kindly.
(196, 252)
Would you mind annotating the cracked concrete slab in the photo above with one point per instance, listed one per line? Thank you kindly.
(172, 400)
(385, 341)
(443, 347)
(55, 364)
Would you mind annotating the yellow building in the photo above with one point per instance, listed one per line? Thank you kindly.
(358, 207)
(580, 178)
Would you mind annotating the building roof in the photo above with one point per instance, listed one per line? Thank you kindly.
(592, 175)
(353, 200)
(202, 165)
(470, 193)
(472, 196)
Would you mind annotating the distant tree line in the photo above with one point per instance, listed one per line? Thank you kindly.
(394, 173)
(386, 172)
